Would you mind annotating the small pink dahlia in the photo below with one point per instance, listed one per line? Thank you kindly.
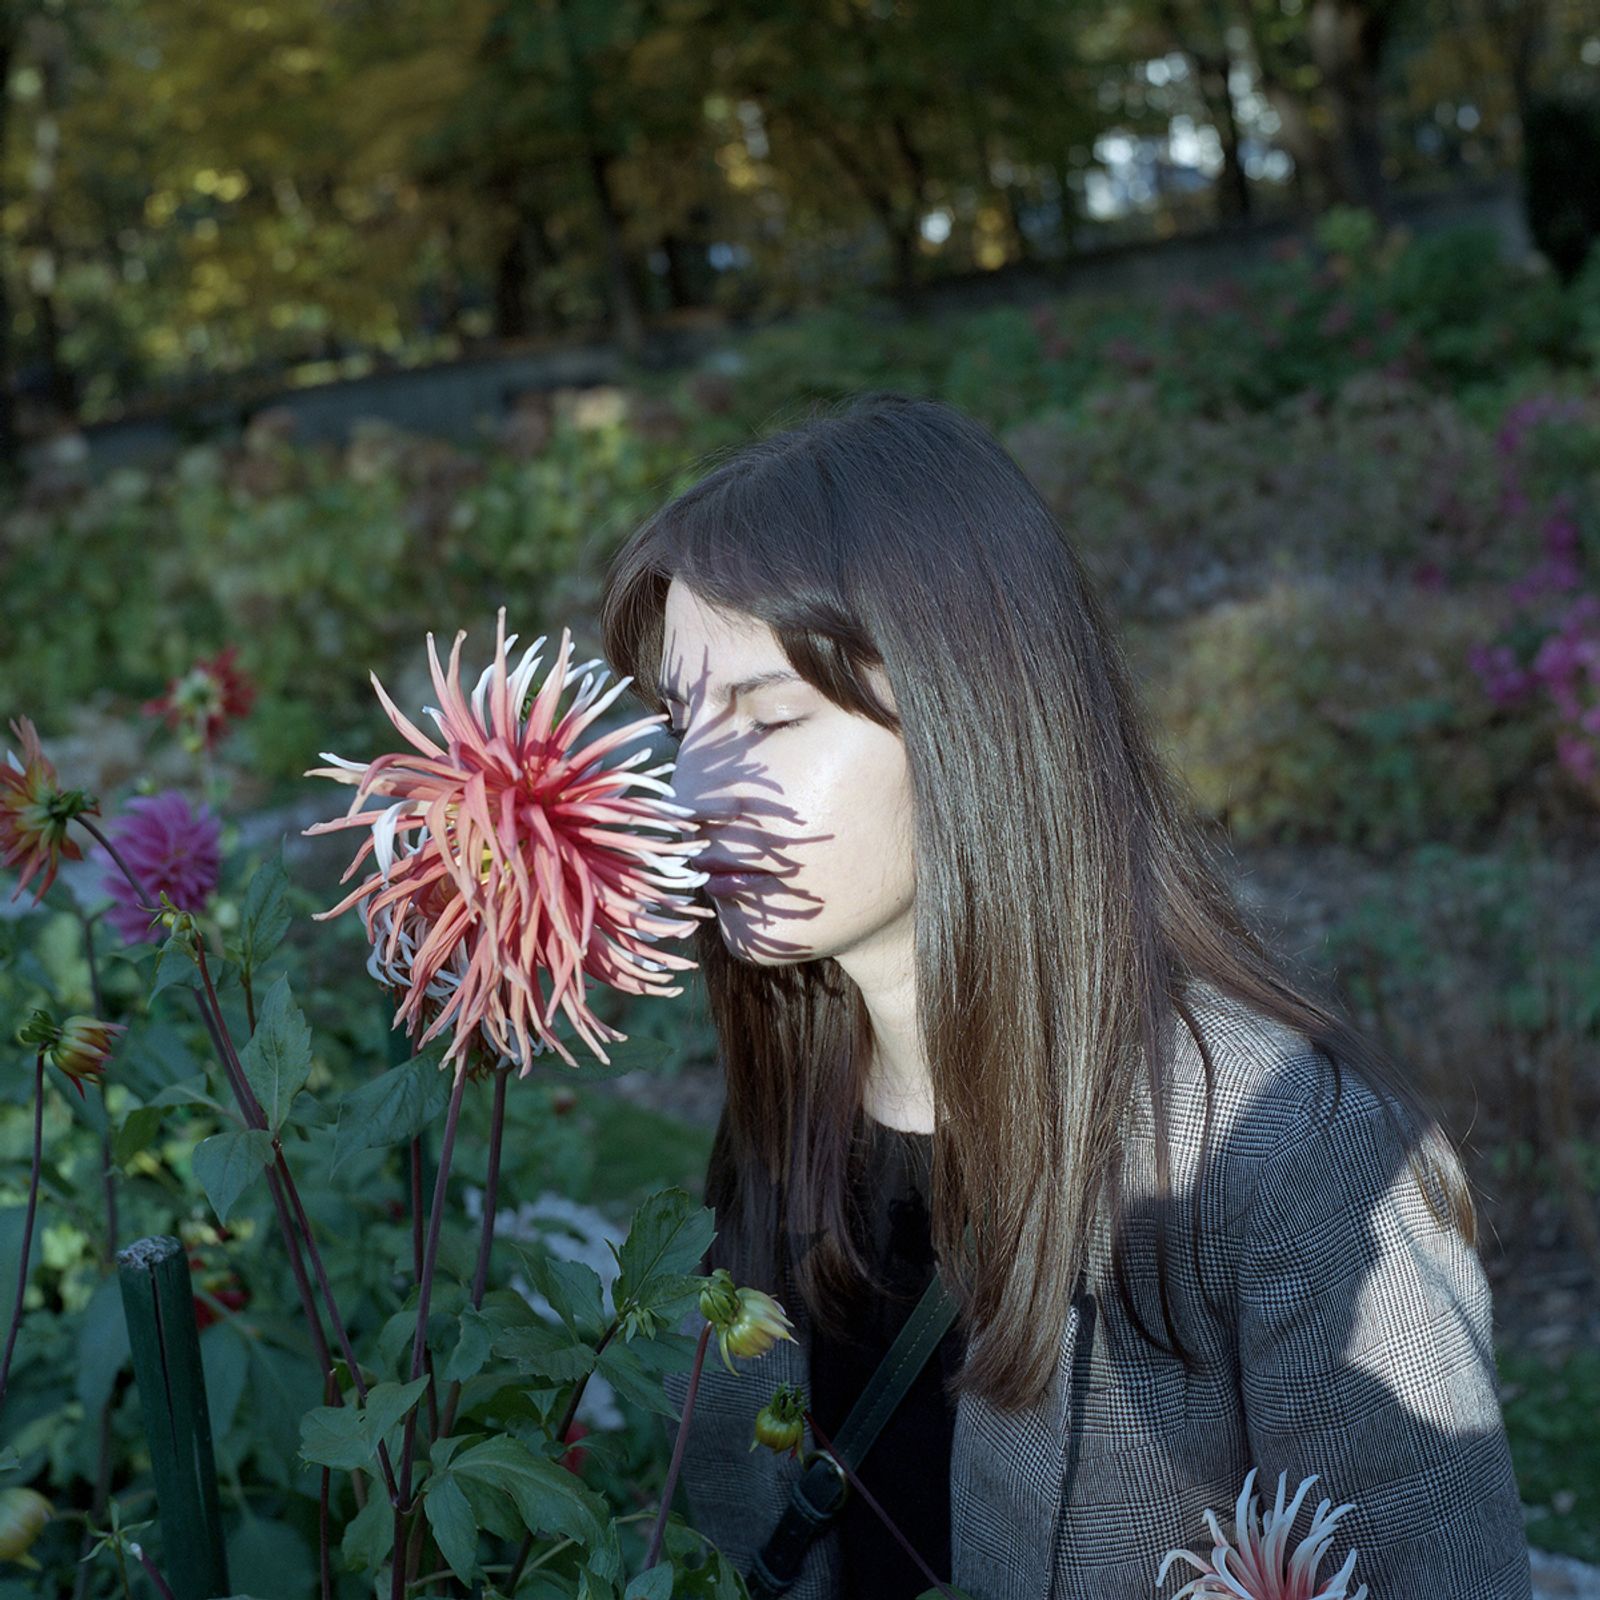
(172, 846)
(1253, 1568)
(507, 859)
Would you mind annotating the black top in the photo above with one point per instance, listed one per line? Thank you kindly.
(907, 1470)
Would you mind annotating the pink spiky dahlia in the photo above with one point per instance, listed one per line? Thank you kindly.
(507, 855)
(1253, 1568)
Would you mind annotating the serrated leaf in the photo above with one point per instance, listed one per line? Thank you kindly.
(472, 1348)
(573, 1289)
(546, 1352)
(277, 1059)
(347, 1437)
(226, 1164)
(548, 1497)
(264, 917)
(395, 1106)
(666, 1240)
(620, 1366)
(453, 1524)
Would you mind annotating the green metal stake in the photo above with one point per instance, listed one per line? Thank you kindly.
(158, 1302)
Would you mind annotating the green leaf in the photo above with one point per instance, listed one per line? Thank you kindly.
(547, 1497)
(102, 1346)
(395, 1106)
(654, 1584)
(138, 1128)
(620, 1366)
(192, 1092)
(666, 1239)
(573, 1290)
(277, 1060)
(225, 1360)
(369, 1535)
(348, 1436)
(173, 965)
(453, 1524)
(264, 917)
(472, 1348)
(227, 1164)
(546, 1352)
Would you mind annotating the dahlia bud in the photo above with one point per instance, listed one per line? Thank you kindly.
(781, 1422)
(719, 1300)
(82, 1048)
(23, 1514)
(748, 1322)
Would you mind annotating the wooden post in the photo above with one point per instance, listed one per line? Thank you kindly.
(158, 1302)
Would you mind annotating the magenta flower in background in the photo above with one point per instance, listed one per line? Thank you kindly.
(173, 848)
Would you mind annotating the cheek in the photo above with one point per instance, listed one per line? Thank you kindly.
(851, 801)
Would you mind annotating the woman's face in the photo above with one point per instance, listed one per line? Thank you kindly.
(821, 803)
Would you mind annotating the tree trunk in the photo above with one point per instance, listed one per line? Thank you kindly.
(1233, 187)
(1346, 39)
(627, 320)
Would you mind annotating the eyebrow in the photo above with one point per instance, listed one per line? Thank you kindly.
(730, 691)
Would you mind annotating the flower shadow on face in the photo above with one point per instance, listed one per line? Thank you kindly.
(741, 814)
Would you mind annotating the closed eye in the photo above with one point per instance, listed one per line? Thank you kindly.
(676, 734)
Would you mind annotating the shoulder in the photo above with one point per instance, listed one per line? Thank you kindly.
(1261, 1110)
(1270, 1090)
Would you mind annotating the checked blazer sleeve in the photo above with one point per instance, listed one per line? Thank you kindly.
(1366, 1357)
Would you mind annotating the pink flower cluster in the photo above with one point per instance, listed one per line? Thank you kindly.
(1551, 647)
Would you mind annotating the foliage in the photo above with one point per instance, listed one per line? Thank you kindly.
(1558, 1457)
(161, 1138)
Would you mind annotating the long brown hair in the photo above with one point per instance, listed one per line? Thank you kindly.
(1064, 897)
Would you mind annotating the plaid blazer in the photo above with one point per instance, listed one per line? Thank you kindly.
(1346, 1334)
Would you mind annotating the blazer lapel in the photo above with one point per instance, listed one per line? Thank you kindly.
(1007, 1476)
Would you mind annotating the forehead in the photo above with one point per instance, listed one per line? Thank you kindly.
(698, 639)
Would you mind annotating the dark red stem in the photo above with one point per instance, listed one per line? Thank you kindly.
(430, 1261)
(677, 1450)
(27, 1224)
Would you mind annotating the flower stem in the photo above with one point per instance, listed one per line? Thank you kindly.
(430, 1261)
(108, 1176)
(883, 1516)
(491, 1206)
(671, 1484)
(280, 1181)
(27, 1224)
(153, 1572)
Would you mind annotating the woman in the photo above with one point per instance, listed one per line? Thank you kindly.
(984, 959)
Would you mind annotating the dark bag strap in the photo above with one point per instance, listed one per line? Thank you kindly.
(817, 1496)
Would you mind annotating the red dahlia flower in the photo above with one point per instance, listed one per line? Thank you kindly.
(202, 703)
(507, 855)
(35, 811)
